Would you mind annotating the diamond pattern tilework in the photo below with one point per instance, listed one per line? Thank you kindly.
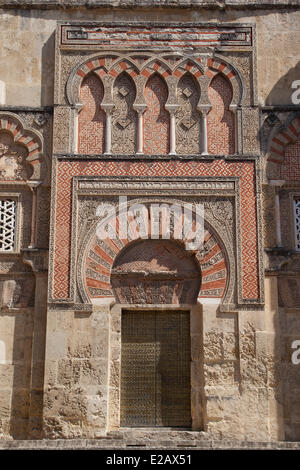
(290, 167)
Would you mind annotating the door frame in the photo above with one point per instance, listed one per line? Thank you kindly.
(114, 369)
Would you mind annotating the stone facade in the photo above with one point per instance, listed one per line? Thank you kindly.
(189, 104)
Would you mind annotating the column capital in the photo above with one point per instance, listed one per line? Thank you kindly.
(172, 108)
(140, 108)
(33, 184)
(107, 107)
(204, 109)
(277, 183)
(36, 258)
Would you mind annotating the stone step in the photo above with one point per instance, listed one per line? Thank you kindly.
(138, 444)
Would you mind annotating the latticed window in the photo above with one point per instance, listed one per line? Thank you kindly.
(7, 224)
(297, 222)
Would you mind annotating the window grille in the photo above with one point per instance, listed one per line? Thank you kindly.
(7, 224)
(297, 223)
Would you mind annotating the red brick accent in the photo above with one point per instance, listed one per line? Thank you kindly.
(113, 72)
(90, 65)
(146, 73)
(81, 73)
(178, 73)
(283, 149)
(231, 74)
(290, 167)
(123, 65)
(32, 145)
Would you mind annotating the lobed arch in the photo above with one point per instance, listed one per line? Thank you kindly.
(220, 65)
(284, 135)
(91, 117)
(157, 65)
(98, 64)
(156, 131)
(32, 140)
(193, 66)
(124, 65)
(101, 65)
(216, 262)
(220, 118)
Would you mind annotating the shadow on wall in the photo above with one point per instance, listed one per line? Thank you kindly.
(47, 72)
(281, 93)
(286, 323)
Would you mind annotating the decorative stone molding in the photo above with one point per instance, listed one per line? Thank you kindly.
(211, 260)
(22, 138)
(201, 67)
(287, 135)
(280, 137)
(37, 259)
(216, 259)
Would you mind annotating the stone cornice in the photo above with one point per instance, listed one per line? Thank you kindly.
(207, 4)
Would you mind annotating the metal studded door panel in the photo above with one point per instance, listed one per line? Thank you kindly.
(155, 369)
(138, 369)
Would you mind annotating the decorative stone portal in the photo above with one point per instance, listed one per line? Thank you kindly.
(155, 369)
(156, 284)
(156, 375)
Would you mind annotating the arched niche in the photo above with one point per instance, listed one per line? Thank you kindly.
(21, 151)
(96, 262)
(282, 160)
(91, 119)
(156, 117)
(220, 120)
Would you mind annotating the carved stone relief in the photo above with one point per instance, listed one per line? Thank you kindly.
(124, 118)
(155, 271)
(188, 119)
(17, 293)
(12, 159)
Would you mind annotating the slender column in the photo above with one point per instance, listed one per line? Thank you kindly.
(76, 133)
(76, 111)
(204, 132)
(172, 134)
(108, 109)
(33, 186)
(108, 133)
(237, 134)
(140, 130)
(277, 184)
(172, 108)
(278, 229)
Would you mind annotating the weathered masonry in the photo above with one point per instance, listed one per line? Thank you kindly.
(153, 108)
